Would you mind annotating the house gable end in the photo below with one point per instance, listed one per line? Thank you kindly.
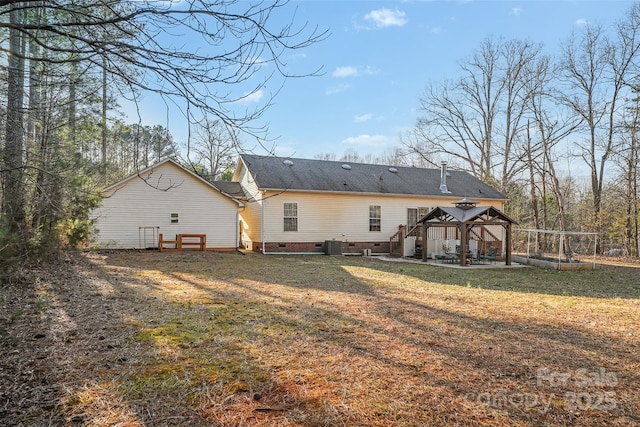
(152, 176)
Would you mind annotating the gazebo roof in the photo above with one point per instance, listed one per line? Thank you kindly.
(454, 214)
(465, 215)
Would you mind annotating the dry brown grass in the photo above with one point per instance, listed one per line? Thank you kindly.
(146, 339)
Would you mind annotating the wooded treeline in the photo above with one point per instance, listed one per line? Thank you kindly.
(558, 134)
(536, 124)
(68, 66)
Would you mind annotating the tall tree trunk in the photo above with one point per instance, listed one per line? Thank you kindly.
(103, 160)
(35, 87)
(636, 236)
(72, 109)
(13, 179)
(556, 190)
(631, 226)
(532, 184)
(545, 206)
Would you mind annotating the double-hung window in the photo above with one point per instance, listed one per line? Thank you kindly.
(375, 218)
(415, 214)
(290, 217)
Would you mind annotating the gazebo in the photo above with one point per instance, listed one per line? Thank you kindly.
(469, 221)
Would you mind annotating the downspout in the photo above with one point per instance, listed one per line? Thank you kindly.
(238, 211)
(262, 221)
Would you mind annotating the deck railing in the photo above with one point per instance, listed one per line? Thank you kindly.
(398, 240)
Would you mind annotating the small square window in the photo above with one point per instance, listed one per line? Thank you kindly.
(174, 218)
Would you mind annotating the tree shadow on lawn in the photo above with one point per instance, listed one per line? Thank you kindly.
(527, 344)
(29, 382)
(343, 281)
(181, 361)
(499, 359)
(492, 352)
(325, 273)
(603, 282)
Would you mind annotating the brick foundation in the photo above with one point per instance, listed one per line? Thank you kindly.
(318, 247)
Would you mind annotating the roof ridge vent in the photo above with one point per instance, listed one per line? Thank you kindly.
(288, 162)
(393, 170)
(346, 166)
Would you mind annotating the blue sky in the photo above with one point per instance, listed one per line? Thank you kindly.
(380, 56)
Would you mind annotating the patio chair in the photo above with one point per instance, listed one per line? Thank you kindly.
(491, 255)
(459, 252)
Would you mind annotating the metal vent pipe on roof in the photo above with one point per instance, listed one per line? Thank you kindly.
(443, 178)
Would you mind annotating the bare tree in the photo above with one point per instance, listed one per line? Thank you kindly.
(627, 159)
(325, 156)
(596, 72)
(351, 155)
(203, 56)
(420, 152)
(479, 119)
(214, 148)
(551, 127)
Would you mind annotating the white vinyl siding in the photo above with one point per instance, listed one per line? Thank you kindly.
(340, 216)
(134, 204)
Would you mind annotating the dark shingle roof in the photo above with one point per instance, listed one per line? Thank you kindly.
(234, 189)
(275, 173)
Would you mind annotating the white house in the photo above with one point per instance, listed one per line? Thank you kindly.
(286, 205)
(170, 200)
(314, 206)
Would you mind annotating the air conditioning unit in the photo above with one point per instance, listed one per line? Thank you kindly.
(333, 247)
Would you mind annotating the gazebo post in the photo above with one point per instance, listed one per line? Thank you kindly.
(507, 239)
(463, 243)
(424, 241)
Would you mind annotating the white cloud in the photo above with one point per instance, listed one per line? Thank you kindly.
(516, 11)
(337, 89)
(252, 97)
(257, 61)
(582, 22)
(383, 18)
(362, 118)
(351, 71)
(370, 71)
(367, 140)
(345, 72)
